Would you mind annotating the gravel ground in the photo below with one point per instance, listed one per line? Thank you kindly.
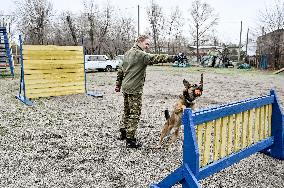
(71, 141)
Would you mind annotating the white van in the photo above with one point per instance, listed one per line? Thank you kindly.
(100, 63)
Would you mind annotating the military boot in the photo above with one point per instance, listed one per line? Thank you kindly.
(132, 143)
(122, 134)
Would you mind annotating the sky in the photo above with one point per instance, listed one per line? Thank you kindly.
(231, 12)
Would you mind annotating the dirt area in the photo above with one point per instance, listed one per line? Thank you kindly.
(71, 141)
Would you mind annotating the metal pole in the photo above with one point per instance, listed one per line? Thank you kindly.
(247, 42)
(240, 43)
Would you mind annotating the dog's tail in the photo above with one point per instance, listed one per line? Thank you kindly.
(167, 114)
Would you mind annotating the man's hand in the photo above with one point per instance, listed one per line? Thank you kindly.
(117, 88)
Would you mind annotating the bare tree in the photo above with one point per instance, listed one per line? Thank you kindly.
(34, 17)
(90, 10)
(174, 28)
(272, 21)
(103, 27)
(122, 35)
(202, 19)
(72, 28)
(157, 20)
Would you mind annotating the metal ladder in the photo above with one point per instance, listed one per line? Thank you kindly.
(6, 59)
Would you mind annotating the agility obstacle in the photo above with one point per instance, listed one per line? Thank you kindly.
(218, 137)
(49, 70)
(6, 58)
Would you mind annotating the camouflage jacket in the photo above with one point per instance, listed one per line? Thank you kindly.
(132, 72)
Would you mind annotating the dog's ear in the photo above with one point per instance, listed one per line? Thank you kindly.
(186, 84)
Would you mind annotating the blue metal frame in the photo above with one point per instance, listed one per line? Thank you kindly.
(93, 94)
(23, 97)
(277, 130)
(189, 172)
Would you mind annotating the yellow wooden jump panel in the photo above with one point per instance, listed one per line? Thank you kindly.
(53, 70)
(221, 137)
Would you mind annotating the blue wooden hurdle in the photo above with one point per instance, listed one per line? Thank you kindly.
(218, 137)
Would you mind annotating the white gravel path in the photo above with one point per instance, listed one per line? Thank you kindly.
(71, 141)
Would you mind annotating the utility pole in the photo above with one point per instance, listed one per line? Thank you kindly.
(138, 21)
(247, 42)
(197, 42)
(240, 43)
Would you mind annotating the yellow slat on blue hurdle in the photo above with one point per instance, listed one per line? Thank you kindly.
(200, 140)
(231, 127)
(262, 122)
(245, 125)
(269, 119)
(251, 126)
(207, 144)
(256, 125)
(238, 125)
(224, 126)
(217, 139)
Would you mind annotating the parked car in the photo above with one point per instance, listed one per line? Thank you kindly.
(100, 63)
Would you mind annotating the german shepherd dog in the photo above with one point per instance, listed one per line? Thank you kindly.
(173, 121)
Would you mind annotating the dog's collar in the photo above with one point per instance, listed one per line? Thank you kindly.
(188, 103)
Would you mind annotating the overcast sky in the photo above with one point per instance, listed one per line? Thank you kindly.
(231, 12)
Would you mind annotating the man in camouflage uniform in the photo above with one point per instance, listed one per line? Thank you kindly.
(131, 77)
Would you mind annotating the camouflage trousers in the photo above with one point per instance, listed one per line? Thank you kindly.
(131, 113)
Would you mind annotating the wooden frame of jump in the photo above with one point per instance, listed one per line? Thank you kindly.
(51, 70)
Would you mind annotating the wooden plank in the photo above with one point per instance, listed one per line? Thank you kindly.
(53, 71)
(276, 72)
(53, 85)
(54, 89)
(200, 141)
(52, 57)
(237, 132)
(35, 93)
(45, 53)
(54, 76)
(53, 94)
(261, 125)
(207, 143)
(231, 126)
(256, 125)
(55, 80)
(251, 125)
(217, 139)
(269, 119)
(244, 136)
(53, 64)
(224, 125)
(51, 47)
(266, 117)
